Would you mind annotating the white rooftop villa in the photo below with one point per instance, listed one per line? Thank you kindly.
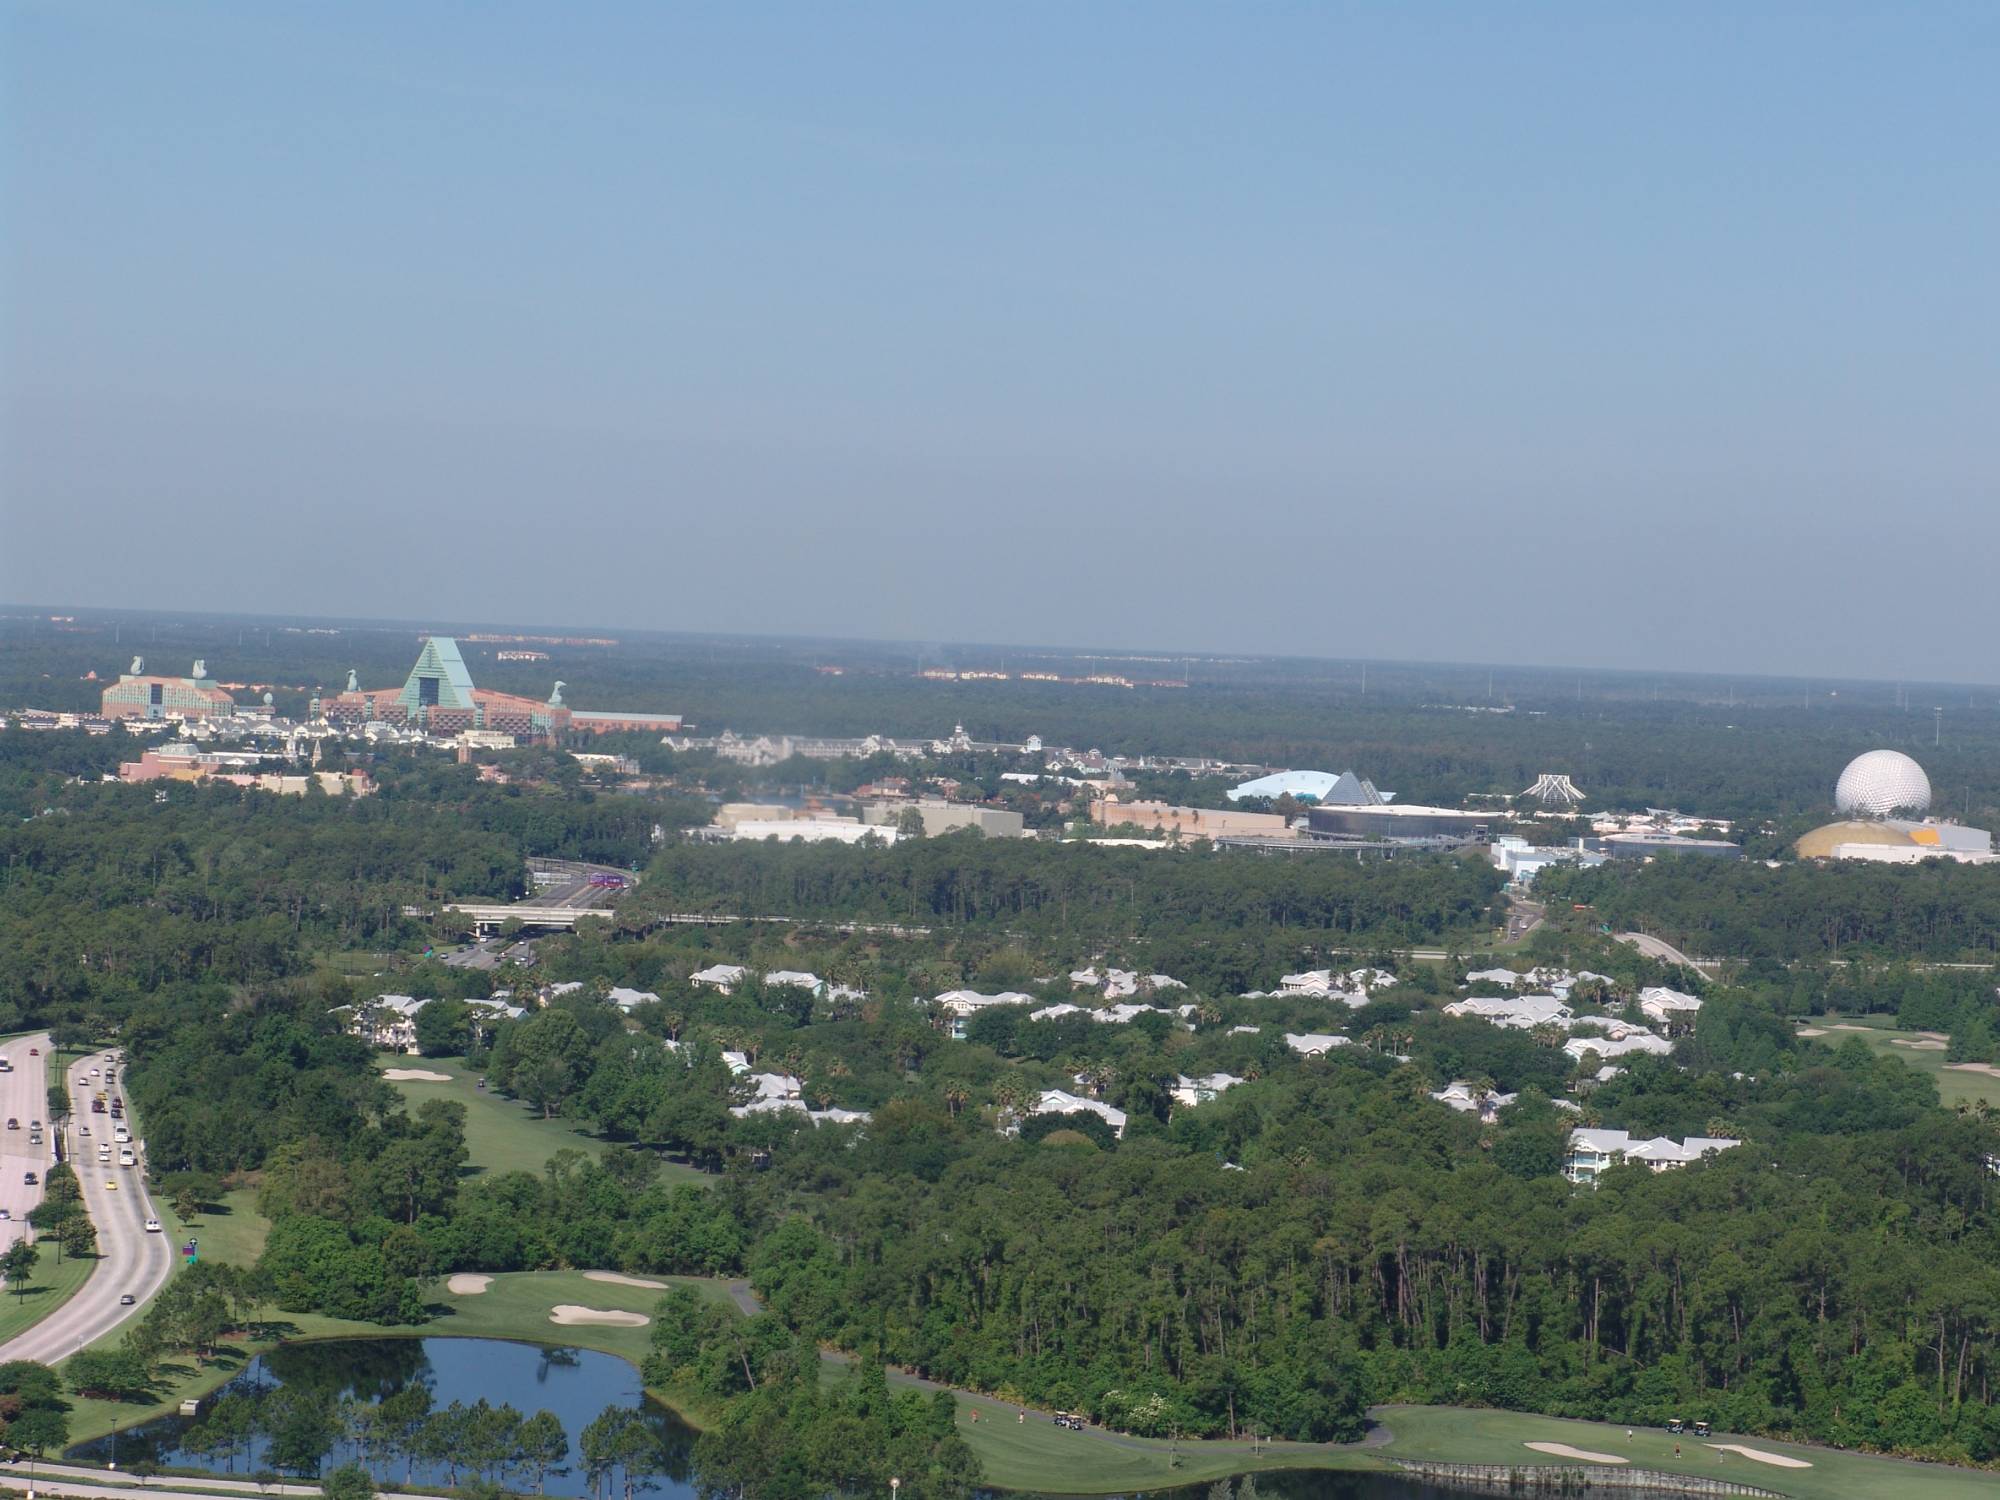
(724, 977)
(1188, 1092)
(1608, 1047)
(1313, 1043)
(961, 1005)
(1667, 1006)
(1524, 1013)
(1592, 1152)
(1060, 1102)
(1471, 1099)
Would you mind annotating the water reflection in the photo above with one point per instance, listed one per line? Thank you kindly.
(346, 1374)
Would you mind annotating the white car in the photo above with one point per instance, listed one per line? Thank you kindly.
(152, 1226)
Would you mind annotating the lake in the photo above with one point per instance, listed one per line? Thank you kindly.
(573, 1384)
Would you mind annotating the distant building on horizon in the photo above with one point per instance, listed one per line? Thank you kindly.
(137, 696)
(439, 697)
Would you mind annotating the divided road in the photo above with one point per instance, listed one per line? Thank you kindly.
(132, 1261)
(24, 1098)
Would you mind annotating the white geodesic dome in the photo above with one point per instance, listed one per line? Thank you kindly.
(1881, 782)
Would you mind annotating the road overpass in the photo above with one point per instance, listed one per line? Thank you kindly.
(487, 918)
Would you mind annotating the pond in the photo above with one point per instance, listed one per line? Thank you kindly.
(575, 1385)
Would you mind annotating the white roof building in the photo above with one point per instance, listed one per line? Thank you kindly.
(1592, 1152)
(1352, 989)
(1314, 1044)
(1188, 1092)
(1058, 1102)
(1524, 1013)
(1667, 1006)
(969, 1002)
(795, 979)
(812, 831)
(959, 1006)
(1606, 1047)
(1120, 1015)
(1346, 789)
(627, 999)
(1057, 1011)
(1469, 1099)
(1558, 982)
(724, 977)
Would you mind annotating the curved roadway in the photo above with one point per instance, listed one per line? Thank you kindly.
(24, 1098)
(131, 1260)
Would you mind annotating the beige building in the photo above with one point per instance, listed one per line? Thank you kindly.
(1189, 822)
(947, 817)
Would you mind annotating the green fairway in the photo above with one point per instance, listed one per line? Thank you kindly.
(1035, 1454)
(1497, 1437)
(1955, 1085)
(502, 1134)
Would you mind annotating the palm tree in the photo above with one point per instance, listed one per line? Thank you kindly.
(1007, 1097)
(955, 1096)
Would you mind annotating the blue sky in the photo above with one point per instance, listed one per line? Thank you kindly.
(1609, 335)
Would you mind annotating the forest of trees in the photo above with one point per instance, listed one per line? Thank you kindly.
(1321, 1237)
(1937, 911)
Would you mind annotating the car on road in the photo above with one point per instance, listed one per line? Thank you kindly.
(6, 1213)
(34, 1052)
(126, 1300)
(12, 1123)
(110, 1186)
(83, 1130)
(152, 1226)
(30, 1179)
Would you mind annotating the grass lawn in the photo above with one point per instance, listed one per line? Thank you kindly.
(502, 1134)
(1954, 1085)
(1037, 1455)
(1492, 1437)
(48, 1289)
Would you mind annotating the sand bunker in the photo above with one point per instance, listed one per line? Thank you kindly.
(415, 1075)
(1987, 1068)
(468, 1284)
(619, 1278)
(1925, 1046)
(1762, 1457)
(1563, 1450)
(569, 1315)
(1848, 1026)
(1812, 1031)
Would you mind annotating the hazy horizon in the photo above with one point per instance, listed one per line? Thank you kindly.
(1571, 338)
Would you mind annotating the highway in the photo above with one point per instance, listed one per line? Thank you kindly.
(24, 1097)
(133, 1261)
(1653, 947)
